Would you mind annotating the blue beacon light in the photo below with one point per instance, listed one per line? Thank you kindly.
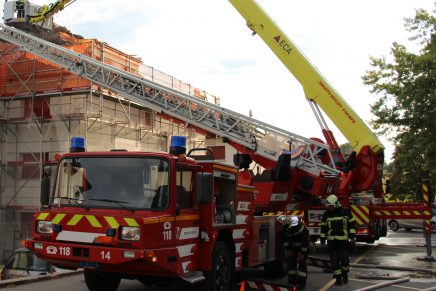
(77, 144)
(178, 145)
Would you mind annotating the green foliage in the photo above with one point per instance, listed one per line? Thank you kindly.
(406, 108)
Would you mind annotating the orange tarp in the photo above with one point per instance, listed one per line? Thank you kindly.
(41, 76)
(22, 73)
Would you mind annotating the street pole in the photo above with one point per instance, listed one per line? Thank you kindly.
(427, 222)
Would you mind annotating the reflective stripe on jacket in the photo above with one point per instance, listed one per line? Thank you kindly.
(337, 224)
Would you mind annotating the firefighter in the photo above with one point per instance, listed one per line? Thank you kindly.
(337, 226)
(295, 238)
(20, 8)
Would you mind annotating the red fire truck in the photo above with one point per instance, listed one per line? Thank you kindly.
(162, 216)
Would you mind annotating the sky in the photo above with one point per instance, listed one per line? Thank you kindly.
(207, 44)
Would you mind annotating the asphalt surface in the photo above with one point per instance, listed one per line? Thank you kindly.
(399, 249)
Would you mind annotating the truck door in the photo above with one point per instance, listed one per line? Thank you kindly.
(187, 219)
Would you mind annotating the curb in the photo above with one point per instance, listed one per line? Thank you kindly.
(26, 280)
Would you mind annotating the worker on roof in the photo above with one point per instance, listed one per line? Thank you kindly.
(337, 226)
(295, 236)
(19, 5)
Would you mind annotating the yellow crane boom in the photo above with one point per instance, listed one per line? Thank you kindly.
(316, 87)
(49, 10)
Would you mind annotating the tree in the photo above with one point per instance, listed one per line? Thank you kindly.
(406, 108)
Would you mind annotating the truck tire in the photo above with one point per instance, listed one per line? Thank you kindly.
(97, 281)
(394, 225)
(377, 231)
(220, 277)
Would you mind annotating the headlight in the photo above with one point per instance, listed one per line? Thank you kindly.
(44, 227)
(130, 233)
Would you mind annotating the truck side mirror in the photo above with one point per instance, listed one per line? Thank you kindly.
(47, 171)
(45, 191)
(204, 188)
(45, 186)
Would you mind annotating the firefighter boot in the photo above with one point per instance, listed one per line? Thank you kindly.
(345, 278)
(338, 281)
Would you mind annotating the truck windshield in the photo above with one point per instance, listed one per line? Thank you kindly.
(113, 182)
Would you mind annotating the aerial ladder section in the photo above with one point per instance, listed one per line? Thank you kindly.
(264, 140)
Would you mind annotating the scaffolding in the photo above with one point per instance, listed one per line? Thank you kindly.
(42, 106)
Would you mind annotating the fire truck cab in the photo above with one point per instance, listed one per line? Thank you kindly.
(149, 216)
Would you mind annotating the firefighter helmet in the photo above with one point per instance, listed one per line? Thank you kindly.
(332, 200)
(295, 226)
(295, 221)
(284, 219)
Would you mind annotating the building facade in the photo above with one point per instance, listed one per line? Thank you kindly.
(42, 106)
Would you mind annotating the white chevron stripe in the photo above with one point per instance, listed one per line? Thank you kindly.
(189, 232)
(185, 251)
(243, 206)
(238, 262)
(241, 219)
(253, 285)
(238, 233)
(238, 247)
(185, 265)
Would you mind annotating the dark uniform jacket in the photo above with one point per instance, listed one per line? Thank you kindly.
(296, 240)
(338, 224)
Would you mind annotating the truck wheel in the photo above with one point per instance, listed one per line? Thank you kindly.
(393, 225)
(377, 231)
(96, 281)
(220, 276)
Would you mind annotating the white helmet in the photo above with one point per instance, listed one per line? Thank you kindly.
(332, 200)
(291, 221)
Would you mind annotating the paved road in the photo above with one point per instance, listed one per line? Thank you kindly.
(398, 249)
